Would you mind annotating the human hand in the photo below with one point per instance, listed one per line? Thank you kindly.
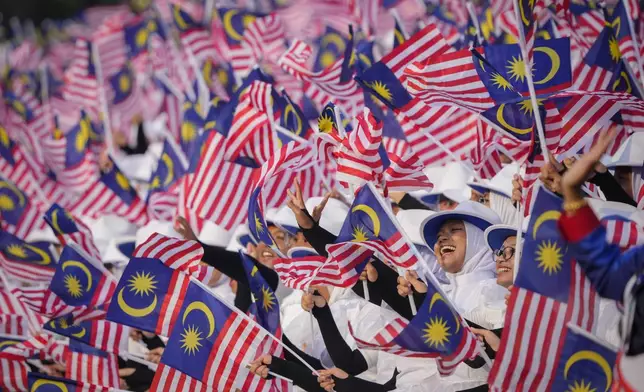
(296, 203)
(260, 365)
(577, 174)
(155, 355)
(410, 280)
(182, 227)
(309, 299)
(507, 296)
(550, 174)
(517, 188)
(325, 377)
(369, 273)
(489, 337)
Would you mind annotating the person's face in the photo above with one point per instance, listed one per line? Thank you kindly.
(265, 255)
(623, 175)
(446, 204)
(451, 245)
(505, 262)
(281, 238)
(483, 198)
(299, 241)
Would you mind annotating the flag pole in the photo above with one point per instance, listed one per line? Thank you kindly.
(527, 62)
(152, 366)
(433, 279)
(102, 99)
(475, 21)
(519, 242)
(245, 317)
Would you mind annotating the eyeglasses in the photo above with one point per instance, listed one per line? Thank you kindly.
(483, 199)
(505, 253)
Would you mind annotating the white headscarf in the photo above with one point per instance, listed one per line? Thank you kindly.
(504, 208)
(468, 286)
(478, 256)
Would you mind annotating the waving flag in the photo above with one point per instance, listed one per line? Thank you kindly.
(211, 342)
(163, 194)
(235, 22)
(153, 282)
(25, 261)
(19, 214)
(112, 194)
(371, 226)
(79, 281)
(193, 35)
(342, 269)
(70, 157)
(101, 334)
(622, 25)
(331, 46)
(89, 365)
(436, 331)
(68, 229)
(550, 281)
(220, 189)
(265, 310)
(39, 382)
(81, 85)
(125, 104)
(14, 375)
(596, 372)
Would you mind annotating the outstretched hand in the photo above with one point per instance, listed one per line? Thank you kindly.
(182, 226)
(577, 174)
(296, 203)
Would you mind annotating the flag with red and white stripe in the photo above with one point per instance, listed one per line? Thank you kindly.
(88, 365)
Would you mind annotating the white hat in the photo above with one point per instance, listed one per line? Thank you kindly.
(215, 235)
(631, 153)
(283, 218)
(155, 226)
(113, 253)
(300, 251)
(46, 235)
(240, 238)
(468, 211)
(333, 215)
(501, 183)
(604, 208)
(452, 183)
(411, 221)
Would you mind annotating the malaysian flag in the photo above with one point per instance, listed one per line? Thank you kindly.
(528, 12)
(89, 365)
(405, 174)
(101, 334)
(622, 26)
(342, 269)
(323, 86)
(71, 230)
(13, 377)
(265, 36)
(194, 37)
(371, 225)
(112, 194)
(18, 212)
(549, 292)
(17, 318)
(220, 189)
(79, 281)
(41, 383)
(275, 176)
(214, 353)
(265, 311)
(43, 301)
(109, 44)
(235, 22)
(24, 261)
(70, 157)
(595, 373)
(436, 331)
(393, 136)
(163, 194)
(81, 85)
(150, 287)
(125, 102)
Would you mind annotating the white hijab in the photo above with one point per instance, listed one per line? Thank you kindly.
(468, 286)
(504, 208)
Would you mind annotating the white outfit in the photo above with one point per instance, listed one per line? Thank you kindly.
(301, 328)
(504, 208)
